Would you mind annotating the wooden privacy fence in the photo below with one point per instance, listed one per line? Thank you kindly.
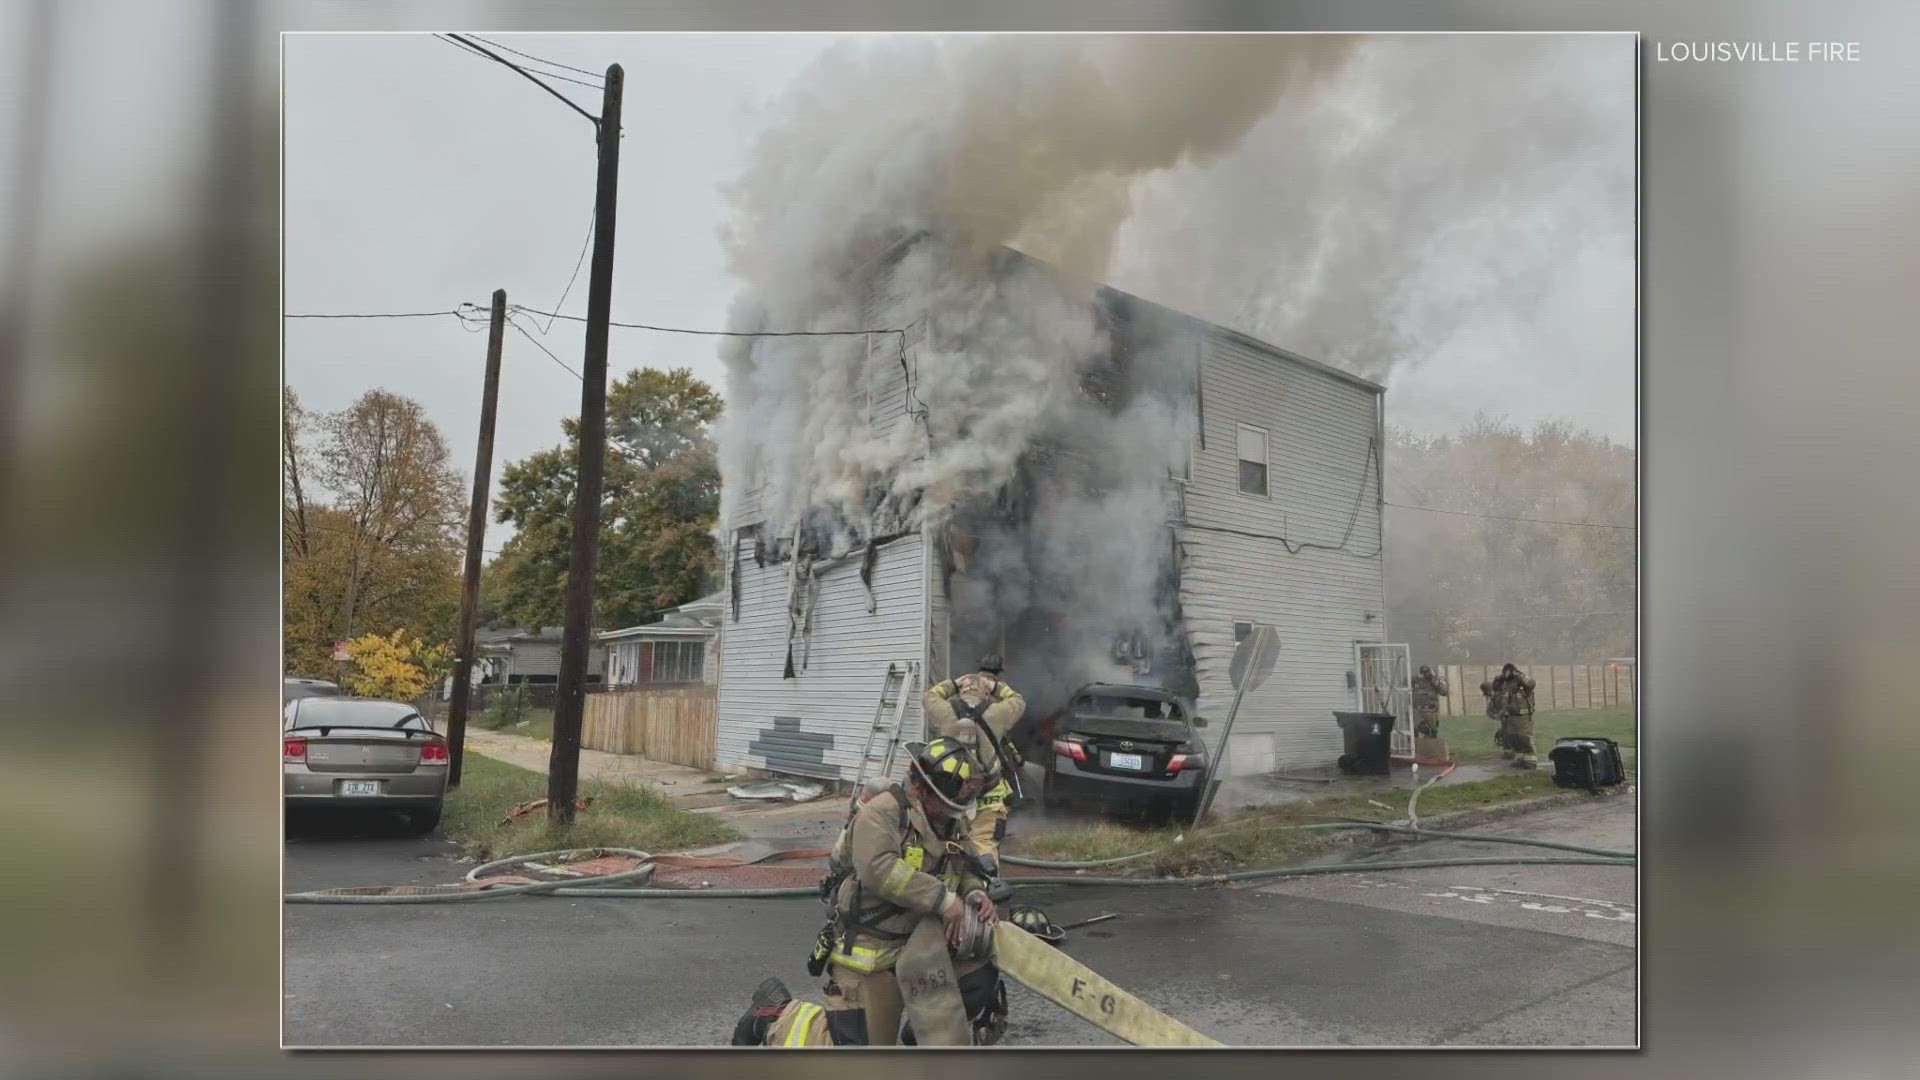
(674, 723)
(1557, 686)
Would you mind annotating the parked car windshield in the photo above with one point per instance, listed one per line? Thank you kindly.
(353, 712)
(1134, 708)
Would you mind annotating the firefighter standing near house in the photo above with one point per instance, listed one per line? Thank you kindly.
(979, 710)
(911, 927)
(1510, 700)
(1428, 689)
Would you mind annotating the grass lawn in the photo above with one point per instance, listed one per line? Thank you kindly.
(619, 816)
(1261, 837)
(1470, 738)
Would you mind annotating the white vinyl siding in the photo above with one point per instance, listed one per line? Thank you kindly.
(1319, 429)
(816, 723)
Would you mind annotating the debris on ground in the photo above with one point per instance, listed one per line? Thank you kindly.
(778, 791)
(526, 808)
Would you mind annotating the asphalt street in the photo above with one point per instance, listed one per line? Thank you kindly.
(1481, 956)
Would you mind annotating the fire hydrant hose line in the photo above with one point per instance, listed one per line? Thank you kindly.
(1372, 826)
(1411, 829)
(602, 886)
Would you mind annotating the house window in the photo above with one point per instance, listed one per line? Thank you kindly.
(1242, 631)
(1253, 460)
(679, 661)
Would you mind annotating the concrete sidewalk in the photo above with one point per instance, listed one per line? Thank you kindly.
(690, 789)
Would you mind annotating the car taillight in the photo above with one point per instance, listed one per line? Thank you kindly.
(433, 753)
(294, 751)
(1070, 748)
(1181, 761)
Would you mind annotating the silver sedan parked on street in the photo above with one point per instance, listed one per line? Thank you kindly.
(342, 753)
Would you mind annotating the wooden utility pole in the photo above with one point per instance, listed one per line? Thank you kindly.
(476, 536)
(569, 708)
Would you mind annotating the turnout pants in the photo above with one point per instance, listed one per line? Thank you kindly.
(990, 824)
(1516, 733)
(922, 982)
(1426, 723)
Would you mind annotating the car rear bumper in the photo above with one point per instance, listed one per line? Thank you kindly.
(419, 789)
(1068, 779)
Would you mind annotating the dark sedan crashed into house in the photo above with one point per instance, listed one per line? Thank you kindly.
(1128, 747)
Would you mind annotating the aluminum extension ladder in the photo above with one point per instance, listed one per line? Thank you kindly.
(888, 715)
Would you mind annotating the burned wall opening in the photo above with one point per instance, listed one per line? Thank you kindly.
(1070, 568)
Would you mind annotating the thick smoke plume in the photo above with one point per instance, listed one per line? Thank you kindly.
(1392, 204)
(1029, 142)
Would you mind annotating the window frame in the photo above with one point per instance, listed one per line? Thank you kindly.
(1266, 464)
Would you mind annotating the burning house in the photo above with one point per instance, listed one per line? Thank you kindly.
(1097, 487)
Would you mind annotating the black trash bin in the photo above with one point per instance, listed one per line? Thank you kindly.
(1369, 742)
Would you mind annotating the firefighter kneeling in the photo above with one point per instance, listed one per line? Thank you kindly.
(912, 923)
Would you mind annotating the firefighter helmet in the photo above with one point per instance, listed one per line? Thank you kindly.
(951, 769)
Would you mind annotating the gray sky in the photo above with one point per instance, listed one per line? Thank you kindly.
(418, 176)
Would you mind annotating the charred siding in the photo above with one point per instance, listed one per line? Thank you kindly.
(815, 723)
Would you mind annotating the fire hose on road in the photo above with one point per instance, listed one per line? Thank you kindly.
(606, 886)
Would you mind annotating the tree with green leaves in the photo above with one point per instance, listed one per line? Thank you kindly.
(657, 516)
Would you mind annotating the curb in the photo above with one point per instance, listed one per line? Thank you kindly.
(1453, 821)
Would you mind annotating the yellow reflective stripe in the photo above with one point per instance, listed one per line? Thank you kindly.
(914, 856)
(998, 793)
(895, 883)
(866, 959)
(803, 1015)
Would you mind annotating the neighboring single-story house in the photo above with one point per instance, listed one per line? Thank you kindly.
(681, 649)
(515, 654)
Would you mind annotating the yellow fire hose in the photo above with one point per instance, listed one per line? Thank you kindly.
(1085, 993)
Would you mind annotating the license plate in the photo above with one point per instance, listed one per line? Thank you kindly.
(1125, 761)
(359, 787)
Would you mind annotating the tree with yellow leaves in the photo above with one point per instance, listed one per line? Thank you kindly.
(398, 667)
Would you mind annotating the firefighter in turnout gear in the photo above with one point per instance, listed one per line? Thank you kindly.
(980, 710)
(1428, 689)
(912, 924)
(1510, 699)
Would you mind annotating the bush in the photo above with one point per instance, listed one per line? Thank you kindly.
(506, 708)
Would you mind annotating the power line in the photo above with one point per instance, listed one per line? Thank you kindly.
(1502, 517)
(456, 39)
(381, 315)
(577, 264)
(542, 348)
(721, 333)
(542, 60)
